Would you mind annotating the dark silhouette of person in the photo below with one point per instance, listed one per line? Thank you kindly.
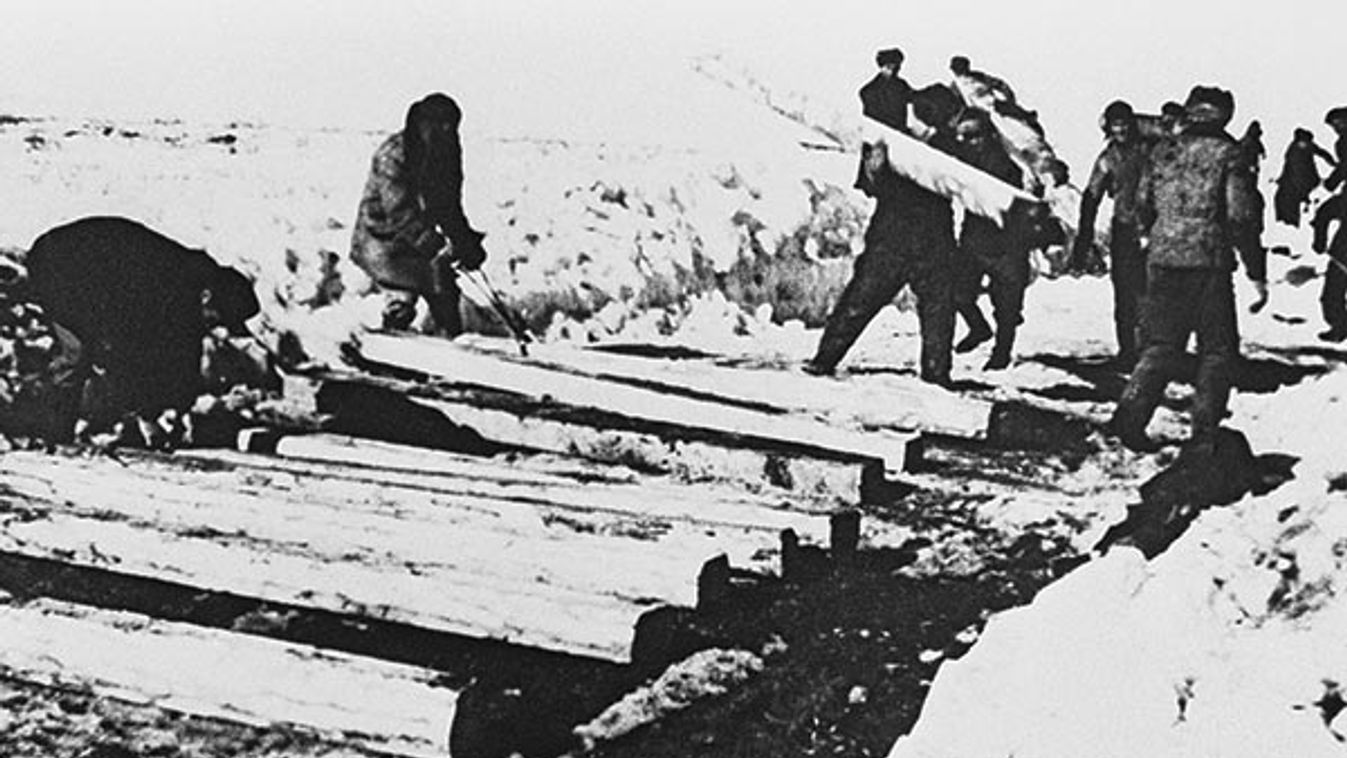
(909, 241)
(1194, 199)
(141, 305)
(1299, 176)
(987, 251)
(410, 229)
(1116, 173)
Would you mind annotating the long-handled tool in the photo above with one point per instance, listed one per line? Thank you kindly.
(1300, 275)
(513, 320)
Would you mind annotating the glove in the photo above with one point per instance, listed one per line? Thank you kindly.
(467, 250)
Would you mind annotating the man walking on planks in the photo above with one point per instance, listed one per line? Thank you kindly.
(910, 241)
(1195, 204)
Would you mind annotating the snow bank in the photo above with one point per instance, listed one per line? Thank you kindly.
(1228, 644)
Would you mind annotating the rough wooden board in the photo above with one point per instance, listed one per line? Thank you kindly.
(505, 475)
(483, 558)
(907, 406)
(442, 358)
(978, 192)
(694, 458)
(975, 190)
(591, 443)
(388, 707)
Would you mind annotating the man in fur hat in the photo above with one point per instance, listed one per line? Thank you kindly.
(1195, 203)
(410, 229)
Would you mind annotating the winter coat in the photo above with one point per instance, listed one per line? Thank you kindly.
(394, 237)
(1300, 174)
(1196, 201)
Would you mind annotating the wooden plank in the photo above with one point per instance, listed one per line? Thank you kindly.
(675, 449)
(442, 358)
(906, 404)
(505, 475)
(392, 708)
(564, 567)
(976, 191)
(607, 439)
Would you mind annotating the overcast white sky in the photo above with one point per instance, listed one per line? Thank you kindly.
(611, 70)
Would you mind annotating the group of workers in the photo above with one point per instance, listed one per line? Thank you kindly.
(1185, 203)
(1186, 211)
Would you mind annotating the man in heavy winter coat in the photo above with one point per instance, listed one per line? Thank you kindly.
(410, 229)
(1195, 203)
(910, 241)
(1299, 176)
(141, 305)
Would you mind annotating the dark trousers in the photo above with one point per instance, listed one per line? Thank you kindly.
(1127, 272)
(985, 251)
(1333, 297)
(400, 308)
(899, 250)
(1178, 304)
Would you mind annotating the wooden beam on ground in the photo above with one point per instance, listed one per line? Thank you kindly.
(388, 707)
(564, 565)
(685, 453)
(589, 442)
(901, 404)
(442, 358)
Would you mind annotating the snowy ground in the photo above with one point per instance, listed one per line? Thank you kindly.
(1227, 644)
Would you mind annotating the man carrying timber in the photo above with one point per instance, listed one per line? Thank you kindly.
(909, 241)
(1194, 203)
(988, 251)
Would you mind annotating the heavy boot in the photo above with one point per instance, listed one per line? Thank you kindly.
(1001, 351)
(1136, 406)
(979, 331)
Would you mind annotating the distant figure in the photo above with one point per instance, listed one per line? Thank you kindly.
(1336, 119)
(1252, 253)
(1331, 297)
(887, 97)
(1194, 199)
(988, 251)
(1251, 147)
(1116, 173)
(1299, 176)
(981, 84)
(410, 230)
(141, 305)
